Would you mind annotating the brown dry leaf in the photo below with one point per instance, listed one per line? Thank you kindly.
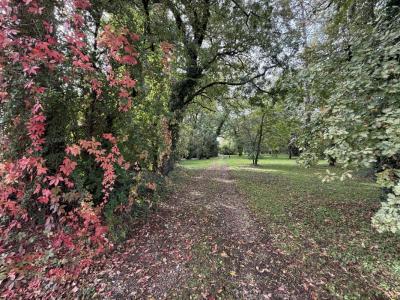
(224, 254)
(314, 295)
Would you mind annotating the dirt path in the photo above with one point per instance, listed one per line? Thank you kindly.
(203, 243)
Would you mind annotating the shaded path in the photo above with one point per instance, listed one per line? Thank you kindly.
(203, 243)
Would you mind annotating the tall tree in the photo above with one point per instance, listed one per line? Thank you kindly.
(216, 43)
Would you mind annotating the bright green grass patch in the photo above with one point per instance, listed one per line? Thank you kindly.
(325, 225)
(238, 161)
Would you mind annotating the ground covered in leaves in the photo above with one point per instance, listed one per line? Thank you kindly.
(231, 231)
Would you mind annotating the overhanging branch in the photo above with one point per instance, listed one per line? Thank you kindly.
(205, 107)
(230, 83)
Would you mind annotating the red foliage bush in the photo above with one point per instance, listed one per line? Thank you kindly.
(64, 245)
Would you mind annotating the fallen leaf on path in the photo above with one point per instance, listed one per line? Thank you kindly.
(224, 254)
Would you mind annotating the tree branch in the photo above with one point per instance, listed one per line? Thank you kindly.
(179, 22)
(214, 83)
(222, 54)
(247, 14)
(205, 107)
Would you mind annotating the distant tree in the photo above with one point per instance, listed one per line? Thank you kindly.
(262, 126)
(201, 132)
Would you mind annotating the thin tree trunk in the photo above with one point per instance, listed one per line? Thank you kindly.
(260, 136)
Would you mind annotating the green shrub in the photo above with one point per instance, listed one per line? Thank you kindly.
(134, 196)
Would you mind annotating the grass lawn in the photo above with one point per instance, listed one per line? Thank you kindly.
(324, 226)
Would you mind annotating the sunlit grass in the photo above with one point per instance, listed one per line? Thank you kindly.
(238, 161)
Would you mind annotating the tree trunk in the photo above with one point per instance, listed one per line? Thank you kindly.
(332, 161)
(240, 150)
(260, 136)
(155, 149)
(168, 163)
(239, 144)
(183, 90)
(181, 96)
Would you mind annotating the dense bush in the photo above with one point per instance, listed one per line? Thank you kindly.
(353, 117)
(72, 138)
(131, 203)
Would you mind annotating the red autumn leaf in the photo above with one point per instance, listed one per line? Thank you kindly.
(37, 107)
(30, 70)
(40, 170)
(35, 9)
(124, 93)
(55, 180)
(68, 166)
(56, 272)
(73, 150)
(109, 137)
(82, 4)
(45, 198)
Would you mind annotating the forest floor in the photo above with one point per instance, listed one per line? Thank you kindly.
(231, 231)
